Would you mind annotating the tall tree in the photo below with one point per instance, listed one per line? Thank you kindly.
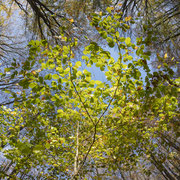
(159, 24)
(71, 126)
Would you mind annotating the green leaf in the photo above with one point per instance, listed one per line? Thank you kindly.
(128, 41)
(47, 145)
(43, 66)
(78, 64)
(55, 76)
(122, 39)
(60, 111)
(92, 83)
(37, 148)
(99, 84)
(117, 34)
(108, 9)
(79, 73)
(103, 34)
(52, 66)
(7, 69)
(110, 42)
(32, 85)
(48, 77)
(7, 91)
(129, 57)
(86, 72)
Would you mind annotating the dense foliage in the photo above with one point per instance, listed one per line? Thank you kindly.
(65, 124)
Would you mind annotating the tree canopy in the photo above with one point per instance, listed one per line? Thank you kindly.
(60, 122)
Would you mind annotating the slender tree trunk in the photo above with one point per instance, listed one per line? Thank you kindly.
(77, 150)
(161, 168)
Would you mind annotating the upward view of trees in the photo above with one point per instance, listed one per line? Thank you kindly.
(160, 25)
(59, 119)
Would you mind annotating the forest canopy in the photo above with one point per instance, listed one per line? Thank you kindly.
(60, 120)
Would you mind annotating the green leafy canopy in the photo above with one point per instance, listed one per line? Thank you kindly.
(65, 115)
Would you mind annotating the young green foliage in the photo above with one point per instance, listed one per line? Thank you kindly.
(118, 120)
